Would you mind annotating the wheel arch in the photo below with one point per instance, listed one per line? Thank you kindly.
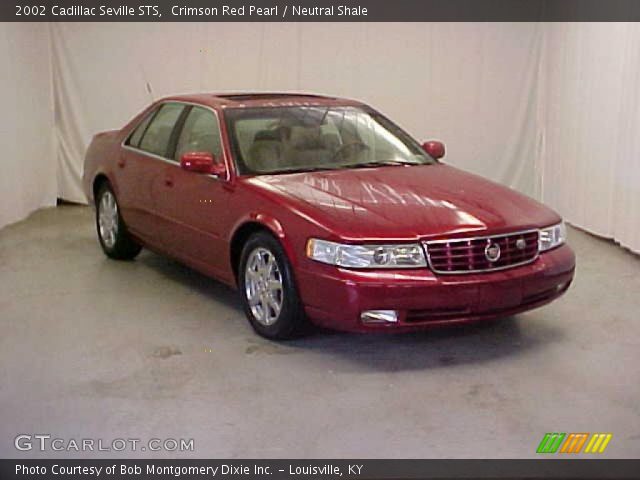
(99, 180)
(253, 224)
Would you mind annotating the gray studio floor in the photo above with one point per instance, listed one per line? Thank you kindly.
(92, 348)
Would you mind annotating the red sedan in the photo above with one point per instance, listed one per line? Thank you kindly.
(321, 209)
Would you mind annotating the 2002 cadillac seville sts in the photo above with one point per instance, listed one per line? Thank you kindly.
(321, 208)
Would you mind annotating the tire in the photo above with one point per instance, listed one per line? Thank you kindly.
(264, 266)
(114, 238)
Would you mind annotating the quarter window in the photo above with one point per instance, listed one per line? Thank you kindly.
(134, 139)
(156, 138)
(199, 134)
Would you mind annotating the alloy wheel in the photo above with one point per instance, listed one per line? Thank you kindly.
(108, 219)
(263, 286)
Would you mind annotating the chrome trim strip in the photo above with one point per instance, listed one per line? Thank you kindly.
(482, 237)
(426, 243)
(149, 154)
(163, 159)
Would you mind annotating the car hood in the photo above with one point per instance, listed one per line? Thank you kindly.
(407, 202)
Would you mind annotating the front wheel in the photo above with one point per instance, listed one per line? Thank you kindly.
(269, 294)
(112, 232)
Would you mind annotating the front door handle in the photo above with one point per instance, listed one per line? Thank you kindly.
(121, 163)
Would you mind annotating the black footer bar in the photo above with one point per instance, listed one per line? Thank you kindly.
(319, 469)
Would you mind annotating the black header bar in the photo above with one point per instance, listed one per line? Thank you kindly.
(320, 11)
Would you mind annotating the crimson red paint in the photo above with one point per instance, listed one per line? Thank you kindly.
(198, 218)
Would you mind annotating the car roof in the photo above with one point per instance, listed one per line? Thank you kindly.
(261, 99)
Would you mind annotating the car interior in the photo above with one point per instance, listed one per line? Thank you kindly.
(291, 146)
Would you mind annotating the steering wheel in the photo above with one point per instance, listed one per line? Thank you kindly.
(353, 147)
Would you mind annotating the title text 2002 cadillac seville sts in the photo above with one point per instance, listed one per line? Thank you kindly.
(321, 209)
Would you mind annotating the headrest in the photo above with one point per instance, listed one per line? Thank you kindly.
(267, 135)
(331, 141)
(306, 138)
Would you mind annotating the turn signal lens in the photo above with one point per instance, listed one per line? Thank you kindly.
(552, 237)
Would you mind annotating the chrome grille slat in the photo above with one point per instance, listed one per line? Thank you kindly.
(467, 255)
(480, 254)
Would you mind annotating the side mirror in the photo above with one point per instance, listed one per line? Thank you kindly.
(434, 148)
(202, 162)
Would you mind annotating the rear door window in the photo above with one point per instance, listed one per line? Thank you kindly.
(158, 134)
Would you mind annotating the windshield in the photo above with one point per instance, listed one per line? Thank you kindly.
(268, 140)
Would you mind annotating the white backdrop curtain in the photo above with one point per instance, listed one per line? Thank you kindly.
(592, 125)
(552, 110)
(473, 85)
(28, 179)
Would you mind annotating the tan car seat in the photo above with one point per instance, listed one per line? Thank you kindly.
(265, 154)
(305, 147)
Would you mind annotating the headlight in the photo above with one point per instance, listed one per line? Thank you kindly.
(366, 256)
(552, 237)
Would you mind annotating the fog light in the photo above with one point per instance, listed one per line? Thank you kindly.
(379, 316)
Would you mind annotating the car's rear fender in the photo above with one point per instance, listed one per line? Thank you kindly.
(99, 159)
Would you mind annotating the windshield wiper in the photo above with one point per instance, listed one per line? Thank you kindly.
(320, 168)
(385, 163)
(307, 169)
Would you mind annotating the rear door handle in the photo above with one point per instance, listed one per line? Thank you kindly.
(168, 182)
(121, 163)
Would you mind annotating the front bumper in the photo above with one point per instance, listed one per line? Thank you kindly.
(335, 297)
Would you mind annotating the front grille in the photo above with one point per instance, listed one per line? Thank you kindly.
(477, 254)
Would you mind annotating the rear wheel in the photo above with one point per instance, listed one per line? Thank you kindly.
(269, 294)
(112, 232)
